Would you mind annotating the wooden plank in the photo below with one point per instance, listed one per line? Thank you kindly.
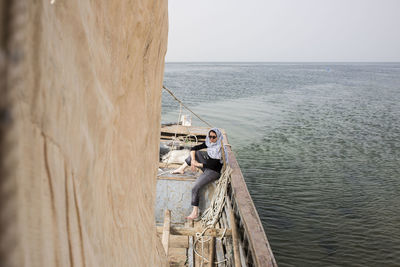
(166, 231)
(177, 251)
(242, 254)
(219, 250)
(187, 231)
(177, 257)
(180, 143)
(228, 242)
(178, 241)
(235, 237)
(224, 220)
(169, 165)
(184, 130)
(190, 253)
(211, 251)
(177, 165)
(182, 137)
(198, 260)
(258, 242)
(176, 178)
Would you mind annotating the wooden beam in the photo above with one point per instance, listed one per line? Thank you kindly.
(178, 241)
(235, 237)
(235, 241)
(219, 251)
(169, 165)
(187, 231)
(225, 223)
(211, 251)
(166, 231)
(177, 256)
(176, 178)
(258, 242)
(190, 252)
(184, 130)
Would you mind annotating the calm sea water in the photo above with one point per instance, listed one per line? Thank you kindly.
(319, 146)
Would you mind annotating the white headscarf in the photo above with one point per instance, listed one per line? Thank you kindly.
(214, 149)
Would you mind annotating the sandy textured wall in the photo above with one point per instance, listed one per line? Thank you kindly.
(84, 80)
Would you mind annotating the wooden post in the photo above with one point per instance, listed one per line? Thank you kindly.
(235, 237)
(219, 251)
(191, 256)
(165, 235)
(211, 251)
(190, 231)
(235, 240)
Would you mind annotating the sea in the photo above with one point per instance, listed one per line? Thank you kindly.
(319, 148)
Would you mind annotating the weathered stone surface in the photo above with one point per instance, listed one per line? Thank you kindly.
(84, 85)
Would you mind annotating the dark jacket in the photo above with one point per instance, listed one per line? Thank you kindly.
(213, 164)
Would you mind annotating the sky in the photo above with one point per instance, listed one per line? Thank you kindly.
(284, 30)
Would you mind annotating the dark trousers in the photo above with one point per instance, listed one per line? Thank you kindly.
(205, 178)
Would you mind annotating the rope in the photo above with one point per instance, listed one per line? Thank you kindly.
(166, 89)
(213, 213)
(185, 139)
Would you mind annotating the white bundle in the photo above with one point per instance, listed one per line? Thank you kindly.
(176, 156)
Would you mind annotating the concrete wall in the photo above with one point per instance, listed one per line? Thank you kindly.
(80, 145)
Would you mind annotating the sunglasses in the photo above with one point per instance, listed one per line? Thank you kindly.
(212, 136)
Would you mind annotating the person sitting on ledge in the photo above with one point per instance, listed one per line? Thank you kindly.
(210, 162)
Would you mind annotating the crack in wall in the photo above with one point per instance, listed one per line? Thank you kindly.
(74, 196)
(78, 216)
(71, 259)
(52, 199)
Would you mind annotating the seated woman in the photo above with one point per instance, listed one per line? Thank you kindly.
(210, 162)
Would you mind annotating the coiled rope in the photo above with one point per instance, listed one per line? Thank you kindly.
(212, 214)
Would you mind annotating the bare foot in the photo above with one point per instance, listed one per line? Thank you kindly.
(178, 171)
(193, 216)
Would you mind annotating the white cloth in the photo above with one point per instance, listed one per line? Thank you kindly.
(214, 149)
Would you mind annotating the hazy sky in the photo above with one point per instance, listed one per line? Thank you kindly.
(284, 30)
